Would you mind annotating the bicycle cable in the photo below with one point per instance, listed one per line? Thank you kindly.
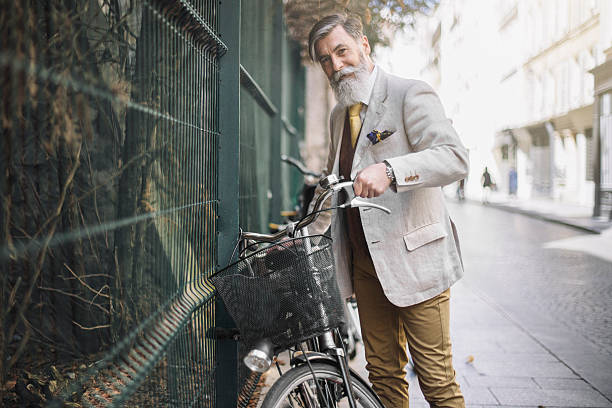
(320, 391)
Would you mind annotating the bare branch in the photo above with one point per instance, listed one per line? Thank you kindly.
(11, 299)
(60, 204)
(22, 344)
(92, 275)
(41, 258)
(74, 296)
(97, 292)
(103, 326)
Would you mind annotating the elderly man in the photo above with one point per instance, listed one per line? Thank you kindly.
(391, 136)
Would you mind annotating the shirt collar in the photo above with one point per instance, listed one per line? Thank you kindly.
(371, 81)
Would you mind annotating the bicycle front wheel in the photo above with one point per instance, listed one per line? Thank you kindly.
(297, 388)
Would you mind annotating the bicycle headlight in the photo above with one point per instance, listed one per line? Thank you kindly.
(257, 360)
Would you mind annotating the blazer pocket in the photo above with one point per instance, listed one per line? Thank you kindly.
(384, 149)
(380, 144)
(424, 235)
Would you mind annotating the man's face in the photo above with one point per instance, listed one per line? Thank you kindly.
(339, 50)
(346, 64)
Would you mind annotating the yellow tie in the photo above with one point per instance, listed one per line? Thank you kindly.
(355, 122)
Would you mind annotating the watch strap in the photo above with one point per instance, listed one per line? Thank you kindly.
(390, 172)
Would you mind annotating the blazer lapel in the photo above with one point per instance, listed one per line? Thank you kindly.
(376, 110)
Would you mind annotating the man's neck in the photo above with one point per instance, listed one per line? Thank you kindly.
(370, 65)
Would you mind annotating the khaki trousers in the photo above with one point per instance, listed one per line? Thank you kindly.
(387, 328)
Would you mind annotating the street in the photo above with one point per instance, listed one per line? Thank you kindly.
(531, 321)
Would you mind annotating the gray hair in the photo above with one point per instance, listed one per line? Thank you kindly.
(351, 24)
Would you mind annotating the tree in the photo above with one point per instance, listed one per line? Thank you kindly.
(378, 16)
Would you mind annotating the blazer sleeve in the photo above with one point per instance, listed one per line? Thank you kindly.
(438, 157)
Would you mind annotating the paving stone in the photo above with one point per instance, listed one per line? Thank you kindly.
(465, 346)
(548, 398)
(476, 395)
(500, 382)
(596, 369)
(518, 369)
(500, 356)
(562, 384)
(500, 406)
(526, 347)
(510, 334)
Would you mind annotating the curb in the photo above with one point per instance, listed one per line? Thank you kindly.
(587, 224)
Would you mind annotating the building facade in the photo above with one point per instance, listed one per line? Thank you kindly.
(517, 79)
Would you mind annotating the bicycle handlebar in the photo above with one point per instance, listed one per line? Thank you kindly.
(332, 185)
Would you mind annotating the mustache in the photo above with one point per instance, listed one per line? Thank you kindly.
(337, 76)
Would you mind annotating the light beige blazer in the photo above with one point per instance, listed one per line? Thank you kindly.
(415, 249)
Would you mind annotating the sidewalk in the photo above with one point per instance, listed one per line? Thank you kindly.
(499, 364)
(575, 216)
(572, 215)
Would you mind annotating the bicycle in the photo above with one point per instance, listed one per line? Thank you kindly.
(284, 297)
(351, 331)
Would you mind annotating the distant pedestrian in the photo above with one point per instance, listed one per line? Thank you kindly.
(512, 182)
(461, 190)
(487, 185)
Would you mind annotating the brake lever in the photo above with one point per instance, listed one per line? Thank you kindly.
(356, 202)
(342, 186)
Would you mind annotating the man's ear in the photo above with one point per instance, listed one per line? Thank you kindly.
(366, 45)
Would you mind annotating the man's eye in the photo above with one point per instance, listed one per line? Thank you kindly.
(341, 51)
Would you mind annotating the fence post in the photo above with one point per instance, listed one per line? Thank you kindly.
(228, 177)
(276, 94)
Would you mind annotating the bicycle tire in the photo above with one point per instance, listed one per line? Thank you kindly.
(297, 387)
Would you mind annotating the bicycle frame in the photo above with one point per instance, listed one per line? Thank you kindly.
(325, 348)
(331, 349)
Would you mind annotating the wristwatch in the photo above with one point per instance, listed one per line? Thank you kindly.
(389, 171)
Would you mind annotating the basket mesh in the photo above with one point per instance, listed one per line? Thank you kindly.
(286, 292)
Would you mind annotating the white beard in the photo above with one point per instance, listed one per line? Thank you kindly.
(351, 90)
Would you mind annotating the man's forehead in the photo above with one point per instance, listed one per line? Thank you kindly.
(337, 36)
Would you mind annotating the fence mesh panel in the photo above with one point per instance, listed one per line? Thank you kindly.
(109, 124)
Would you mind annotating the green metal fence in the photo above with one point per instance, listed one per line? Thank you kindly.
(271, 119)
(271, 114)
(110, 138)
(122, 126)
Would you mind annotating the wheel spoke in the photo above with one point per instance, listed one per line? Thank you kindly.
(298, 388)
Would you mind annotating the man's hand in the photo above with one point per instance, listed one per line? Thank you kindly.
(371, 181)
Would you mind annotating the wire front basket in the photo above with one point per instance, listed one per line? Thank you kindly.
(286, 292)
